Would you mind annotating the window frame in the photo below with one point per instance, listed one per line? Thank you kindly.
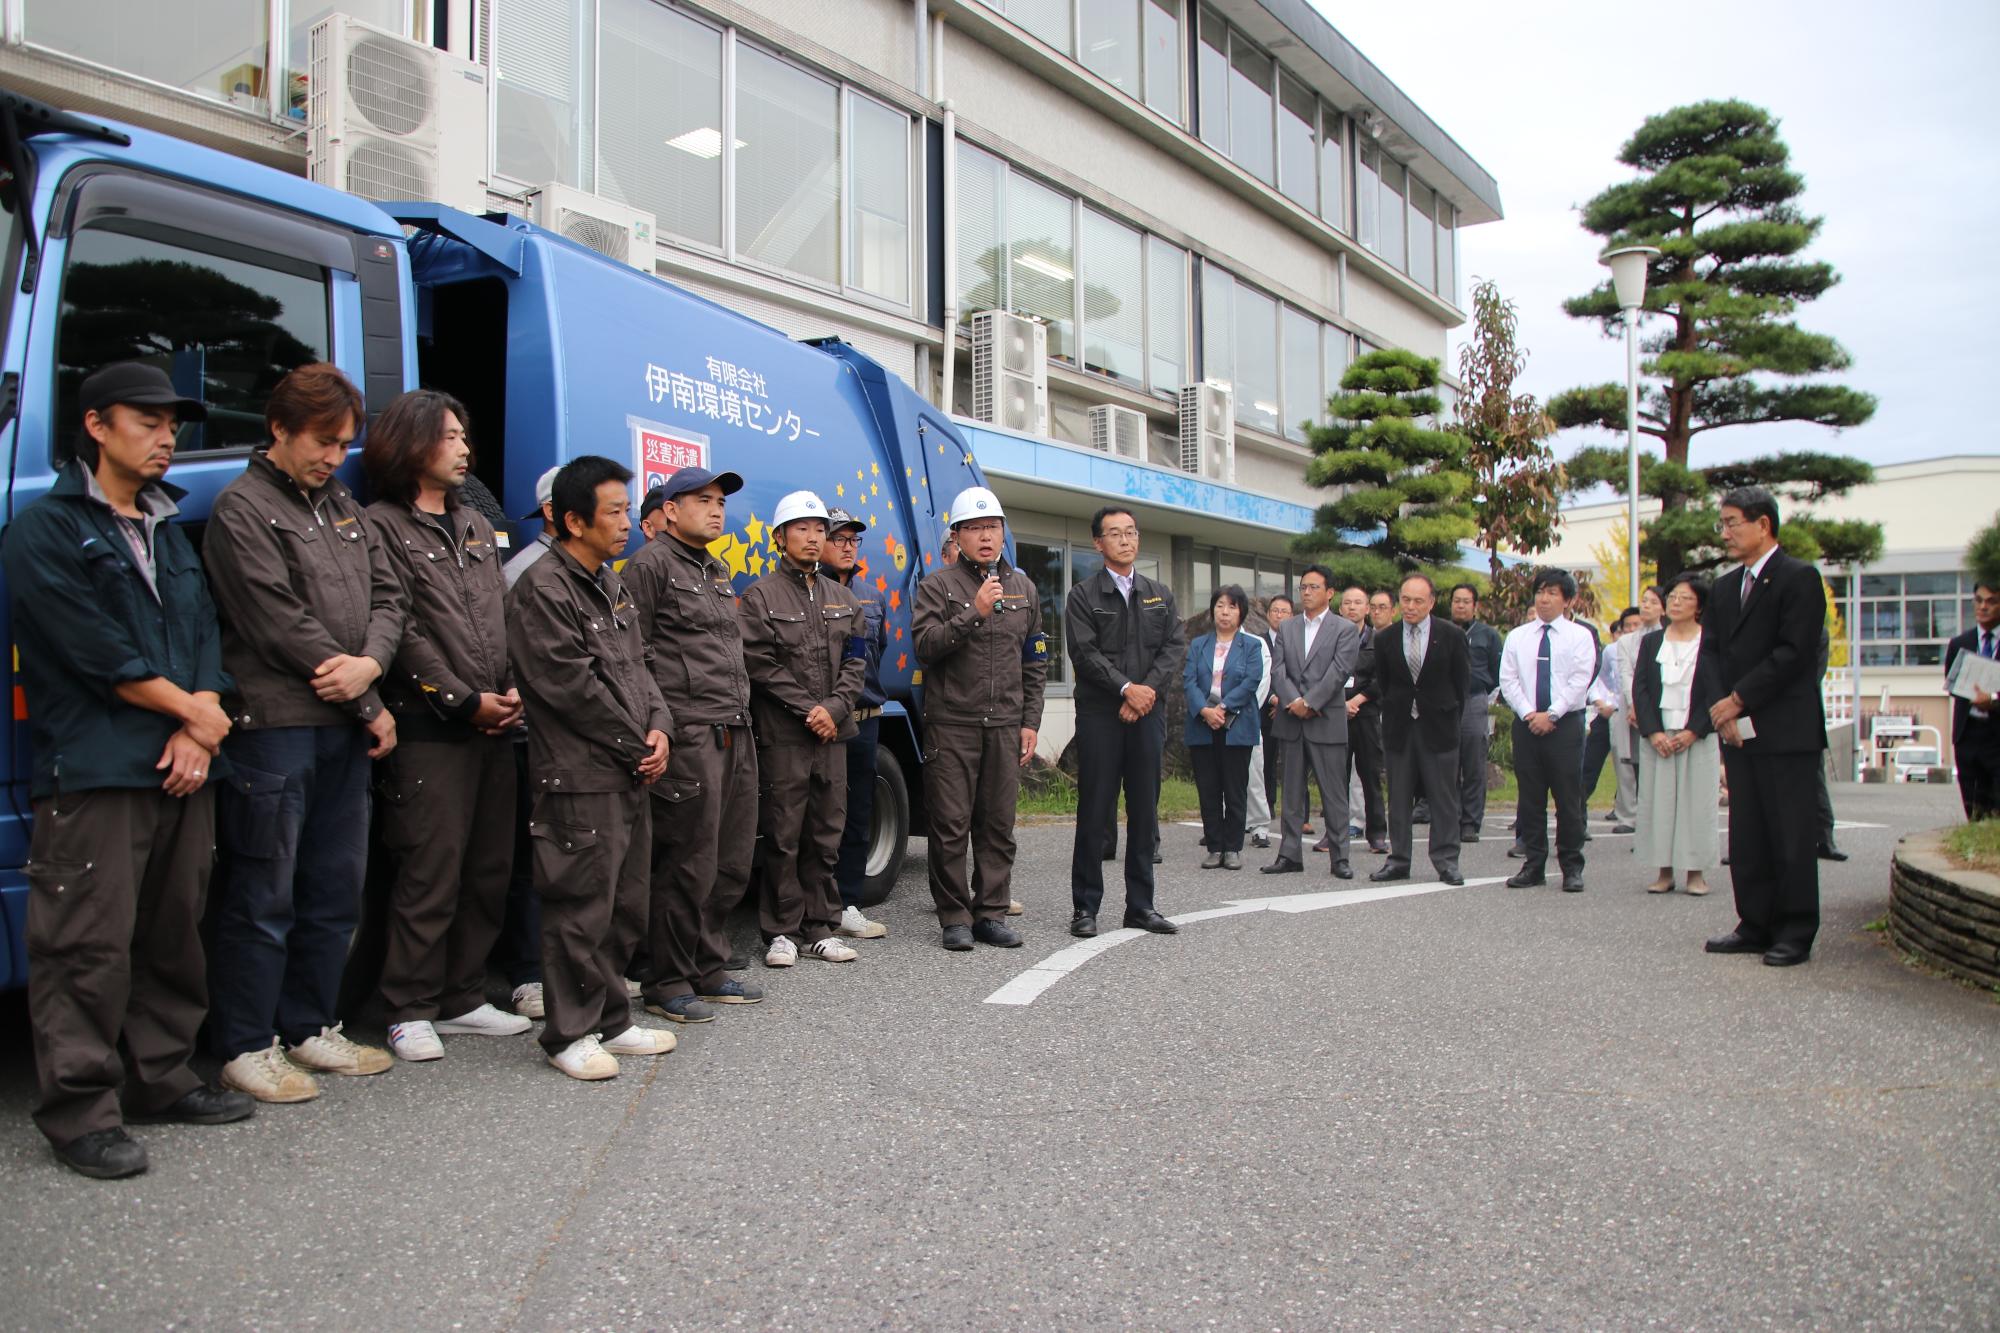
(850, 202)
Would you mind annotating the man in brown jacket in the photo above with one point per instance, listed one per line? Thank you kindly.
(801, 641)
(597, 737)
(446, 796)
(704, 834)
(311, 618)
(978, 629)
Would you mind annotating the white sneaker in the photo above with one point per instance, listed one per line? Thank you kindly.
(485, 1021)
(858, 927)
(528, 1000)
(415, 1040)
(636, 1040)
(1015, 907)
(633, 990)
(585, 1058)
(831, 950)
(331, 1053)
(269, 1077)
(781, 953)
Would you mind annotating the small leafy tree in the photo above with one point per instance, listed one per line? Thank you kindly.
(1410, 502)
(1716, 193)
(1614, 562)
(1982, 554)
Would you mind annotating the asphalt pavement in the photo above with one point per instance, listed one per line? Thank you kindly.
(1472, 1107)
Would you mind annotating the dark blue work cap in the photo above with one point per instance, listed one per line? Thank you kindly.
(693, 479)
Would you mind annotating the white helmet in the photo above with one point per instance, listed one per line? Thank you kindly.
(974, 502)
(799, 504)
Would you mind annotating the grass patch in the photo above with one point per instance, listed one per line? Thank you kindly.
(1178, 799)
(1878, 925)
(1975, 846)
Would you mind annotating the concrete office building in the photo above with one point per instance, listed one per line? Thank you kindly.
(1176, 193)
(1914, 600)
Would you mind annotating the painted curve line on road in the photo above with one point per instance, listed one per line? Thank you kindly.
(1025, 988)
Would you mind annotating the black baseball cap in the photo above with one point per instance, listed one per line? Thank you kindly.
(136, 384)
(836, 519)
(693, 479)
(655, 499)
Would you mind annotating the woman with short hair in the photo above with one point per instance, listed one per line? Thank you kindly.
(1680, 762)
(1220, 678)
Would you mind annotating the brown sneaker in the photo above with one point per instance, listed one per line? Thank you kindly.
(331, 1053)
(269, 1077)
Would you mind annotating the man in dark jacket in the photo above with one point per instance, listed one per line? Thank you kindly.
(1762, 627)
(1975, 721)
(1422, 673)
(1125, 641)
(447, 795)
(312, 616)
(1475, 729)
(1364, 725)
(841, 558)
(121, 665)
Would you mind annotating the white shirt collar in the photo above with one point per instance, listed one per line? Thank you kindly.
(1757, 569)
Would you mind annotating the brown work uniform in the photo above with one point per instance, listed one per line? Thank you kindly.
(580, 662)
(983, 681)
(704, 834)
(445, 796)
(802, 642)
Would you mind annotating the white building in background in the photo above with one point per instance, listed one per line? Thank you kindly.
(1912, 601)
(1178, 194)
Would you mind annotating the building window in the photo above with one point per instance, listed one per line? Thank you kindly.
(1218, 352)
(1265, 358)
(1049, 20)
(1237, 568)
(214, 48)
(1298, 143)
(1273, 577)
(1332, 206)
(878, 224)
(788, 169)
(1203, 587)
(1256, 326)
(1251, 73)
(1447, 285)
(1162, 21)
(1042, 561)
(1368, 196)
(982, 183)
(1907, 619)
(1212, 81)
(1394, 248)
(1305, 401)
(1041, 250)
(1166, 315)
(1114, 319)
(669, 161)
(1423, 234)
(1335, 358)
(1110, 47)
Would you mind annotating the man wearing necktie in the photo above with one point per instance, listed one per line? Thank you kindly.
(1761, 628)
(1975, 722)
(1546, 667)
(1422, 672)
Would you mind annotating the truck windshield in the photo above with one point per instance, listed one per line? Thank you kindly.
(223, 320)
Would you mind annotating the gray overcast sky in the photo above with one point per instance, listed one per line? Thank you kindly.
(1882, 110)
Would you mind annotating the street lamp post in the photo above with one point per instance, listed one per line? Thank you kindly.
(1628, 281)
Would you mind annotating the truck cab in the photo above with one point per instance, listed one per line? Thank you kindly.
(117, 243)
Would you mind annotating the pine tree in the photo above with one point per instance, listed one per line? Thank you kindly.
(1411, 499)
(1716, 193)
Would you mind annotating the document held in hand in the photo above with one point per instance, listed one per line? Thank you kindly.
(1969, 670)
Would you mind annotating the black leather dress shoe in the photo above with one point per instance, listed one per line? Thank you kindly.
(1829, 852)
(1388, 873)
(1343, 870)
(204, 1106)
(1083, 925)
(104, 1154)
(1468, 835)
(1572, 883)
(1623, 828)
(1284, 865)
(1150, 920)
(958, 939)
(1526, 879)
(737, 963)
(1452, 877)
(1787, 955)
(996, 933)
(1734, 942)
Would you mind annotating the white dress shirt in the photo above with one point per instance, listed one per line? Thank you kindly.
(1573, 665)
(1311, 628)
(1604, 689)
(1756, 571)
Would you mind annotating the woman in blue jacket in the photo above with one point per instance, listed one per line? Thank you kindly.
(1220, 679)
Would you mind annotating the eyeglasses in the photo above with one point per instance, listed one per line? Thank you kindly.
(1728, 525)
(845, 539)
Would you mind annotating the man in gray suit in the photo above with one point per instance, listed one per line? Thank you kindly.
(1311, 659)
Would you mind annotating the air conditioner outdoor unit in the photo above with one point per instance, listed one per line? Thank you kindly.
(613, 229)
(1118, 430)
(1010, 371)
(392, 119)
(1208, 432)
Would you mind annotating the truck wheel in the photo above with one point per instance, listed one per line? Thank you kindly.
(889, 836)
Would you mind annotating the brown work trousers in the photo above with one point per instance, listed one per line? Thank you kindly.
(590, 873)
(802, 810)
(447, 815)
(704, 836)
(972, 776)
(117, 878)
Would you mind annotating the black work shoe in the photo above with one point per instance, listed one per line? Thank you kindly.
(1213, 861)
(1468, 835)
(1453, 878)
(1150, 920)
(996, 933)
(1572, 883)
(1829, 852)
(104, 1154)
(1526, 879)
(1083, 925)
(1388, 874)
(1623, 828)
(1232, 860)
(1518, 852)
(737, 963)
(203, 1106)
(1284, 865)
(958, 939)
(1734, 942)
(1787, 955)
(1343, 870)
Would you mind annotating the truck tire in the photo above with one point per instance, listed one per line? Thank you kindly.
(889, 837)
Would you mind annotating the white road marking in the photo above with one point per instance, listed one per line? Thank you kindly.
(1029, 985)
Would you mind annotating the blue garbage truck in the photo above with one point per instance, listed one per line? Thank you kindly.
(121, 243)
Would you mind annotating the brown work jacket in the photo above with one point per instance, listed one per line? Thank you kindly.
(979, 671)
(580, 663)
(297, 578)
(455, 645)
(687, 609)
(803, 642)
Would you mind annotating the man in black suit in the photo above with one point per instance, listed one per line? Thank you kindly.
(1364, 723)
(1422, 670)
(1762, 627)
(1975, 723)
